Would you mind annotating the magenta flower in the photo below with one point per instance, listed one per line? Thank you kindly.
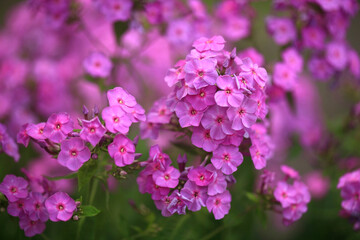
(120, 97)
(258, 157)
(203, 98)
(230, 94)
(163, 205)
(243, 116)
(284, 76)
(116, 120)
(98, 65)
(92, 131)
(35, 208)
(16, 209)
(329, 5)
(195, 194)
(215, 43)
(245, 81)
(313, 37)
(30, 227)
(115, 10)
(174, 75)
(188, 116)
(293, 59)
(200, 176)
(219, 184)
(258, 74)
(290, 172)
(236, 27)
(36, 131)
(227, 159)
(168, 178)
(122, 150)
(160, 112)
(60, 207)
(219, 204)
(320, 68)
(200, 73)
(281, 29)
(74, 153)
(285, 194)
(201, 138)
(58, 126)
(216, 120)
(336, 55)
(22, 137)
(178, 203)
(14, 188)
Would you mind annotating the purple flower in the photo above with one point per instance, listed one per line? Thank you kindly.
(257, 156)
(313, 37)
(243, 116)
(203, 98)
(120, 97)
(293, 59)
(257, 73)
(60, 207)
(115, 10)
(201, 138)
(14, 188)
(285, 194)
(219, 204)
(336, 55)
(98, 65)
(30, 227)
(58, 126)
(22, 137)
(329, 5)
(281, 29)
(195, 194)
(200, 73)
(168, 178)
(188, 116)
(216, 120)
(92, 131)
(178, 203)
(215, 43)
(230, 94)
(35, 208)
(237, 27)
(116, 120)
(74, 153)
(351, 197)
(122, 150)
(200, 176)
(16, 209)
(163, 205)
(227, 159)
(160, 112)
(284, 76)
(36, 131)
(219, 184)
(290, 172)
(320, 68)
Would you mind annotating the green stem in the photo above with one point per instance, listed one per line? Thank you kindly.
(93, 190)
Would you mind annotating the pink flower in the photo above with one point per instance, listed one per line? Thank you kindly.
(219, 184)
(236, 28)
(122, 150)
(257, 156)
(258, 74)
(22, 137)
(196, 195)
(159, 113)
(203, 98)
(35, 208)
(231, 95)
(201, 73)
(318, 184)
(216, 120)
(178, 203)
(201, 138)
(98, 65)
(115, 10)
(201, 176)
(30, 227)
(14, 188)
(58, 126)
(120, 97)
(16, 209)
(313, 37)
(116, 120)
(36, 131)
(290, 172)
(219, 204)
(60, 207)
(74, 153)
(227, 159)
(92, 131)
(284, 76)
(243, 116)
(215, 43)
(293, 59)
(336, 55)
(188, 116)
(329, 5)
(168, 178)
(282, 29)
(285, 194)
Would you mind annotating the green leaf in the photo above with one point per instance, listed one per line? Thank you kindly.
(120, 28)
(2, 197)
(86, 172)
(89, 211)
(252, 197)
(69, 176)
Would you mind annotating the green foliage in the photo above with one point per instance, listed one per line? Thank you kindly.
(86, 172)
(89, 211)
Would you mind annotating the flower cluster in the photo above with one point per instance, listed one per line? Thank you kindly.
(34, 206)
(7, 144)
(350, 192)
(320, 26)
(74, 147)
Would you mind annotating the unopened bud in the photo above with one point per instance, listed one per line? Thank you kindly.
(94, 156)
(75, 217)
(96, 110)
(78, 203)
(85, 112)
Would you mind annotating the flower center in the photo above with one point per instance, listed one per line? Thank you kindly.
(97, 64)
(228, 91)
(226, 157)
(202, 94)
(41, 130)
(92, 129)
(196, 194)
(193, 112)
(120, 101)
(116, 119)
(201, 74)
(122, 149)
(57, 126)
(217, 202)
(37, 206)
(13, 189)
(73, 153)
(162, 112)
(219, 120)
(60, 207)
(202, 177)
(241, 112)
(167, 176)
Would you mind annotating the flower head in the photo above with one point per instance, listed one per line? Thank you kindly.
(14, 188)
(60, 207)
(74, 153)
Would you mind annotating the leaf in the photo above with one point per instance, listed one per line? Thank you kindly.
(2, 197)
(86, 172)
(69, 176)
(89, 211)
(120, 28)
(252, 197)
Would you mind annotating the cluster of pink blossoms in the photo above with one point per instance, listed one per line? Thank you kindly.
(34, 202)
(318, 25)
(350, 192)
(217, 99)
(7, 144)
(58, 137)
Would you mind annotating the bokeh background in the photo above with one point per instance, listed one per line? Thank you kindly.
(127, 214)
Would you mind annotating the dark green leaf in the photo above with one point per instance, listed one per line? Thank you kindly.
(89, 211)
(252, 197)
(120, 28)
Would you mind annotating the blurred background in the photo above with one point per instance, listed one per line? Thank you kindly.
(127, 214)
